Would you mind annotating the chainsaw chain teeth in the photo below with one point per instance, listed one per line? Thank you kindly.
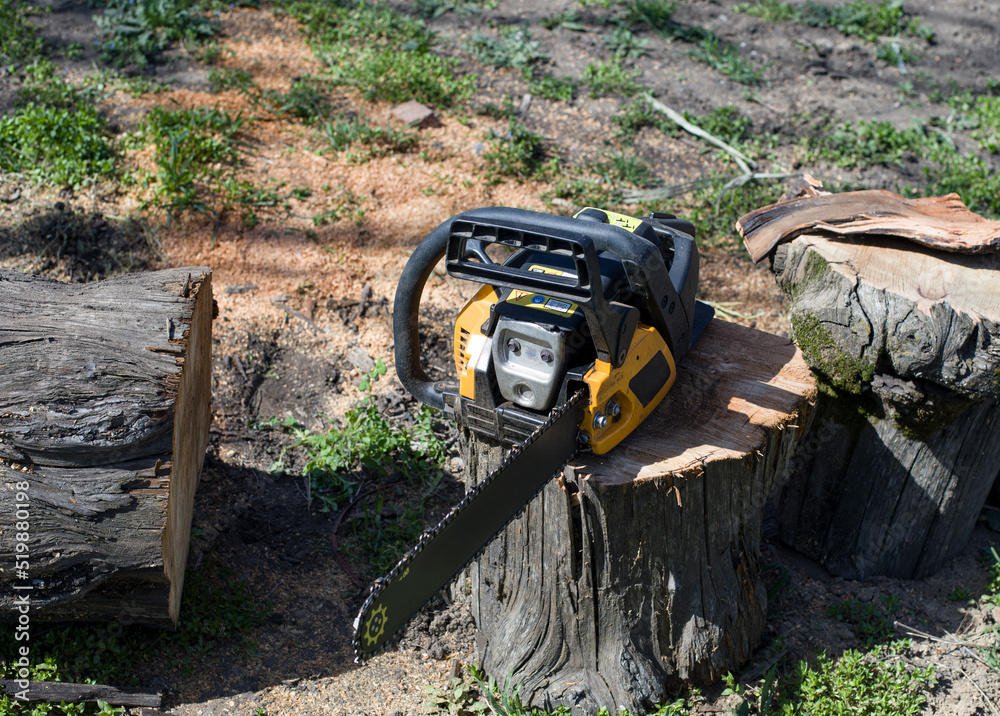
(379, 584)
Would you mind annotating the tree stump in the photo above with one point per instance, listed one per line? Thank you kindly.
(104, 414)
(906, 342)
(638, 571)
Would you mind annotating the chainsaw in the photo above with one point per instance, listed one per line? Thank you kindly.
(570, 343)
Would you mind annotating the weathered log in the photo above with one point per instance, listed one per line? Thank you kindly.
(906, 342)
(941, 222)
(104, 416)
(638, 571)
(58, 692)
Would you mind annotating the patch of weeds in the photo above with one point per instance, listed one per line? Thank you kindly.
(384, 534)
(585, 191)
(867, 143)
(861, 18)
(505, 110)
(140, 85)
(348, 206)
(225, 78)
(136, 31)
(895, 53)
(637, 115)
(725, 58)
(44, 87)
(568, 20)
(623, 43)
(873, 683)
(431, 9)
(337, 460)
(363, 141)
(196, 150)
(58, 146)
(209, 52)
(658, 14)
(716, 217)
(561, 89)
(611, 78)
(769, 10)
(511, 47)
(871, 624)
(385, 54)
(876, 683)
(458, 699)
(19, 41)
(621, 168)
(519, 153)
(726, 123)
(971, 177)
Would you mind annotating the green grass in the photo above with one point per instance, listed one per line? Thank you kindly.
(430, 9)
(384, 54)
(861, 18)
(19, 41)
(137, 31)
(363, 141)
(725, 57)
(551, 87)
(61, 147)
(623, 43)
(658, 14)
(196, 151)
(517, 154)
(611, 78)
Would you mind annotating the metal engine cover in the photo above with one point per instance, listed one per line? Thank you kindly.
(530, 362)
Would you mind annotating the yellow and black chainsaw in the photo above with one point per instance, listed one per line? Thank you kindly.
(570, 343)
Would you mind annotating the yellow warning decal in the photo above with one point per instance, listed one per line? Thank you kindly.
(629, 223)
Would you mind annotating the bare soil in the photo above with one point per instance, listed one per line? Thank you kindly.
(305, 310)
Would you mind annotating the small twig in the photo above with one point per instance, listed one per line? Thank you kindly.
(742, 160)
(986, 699)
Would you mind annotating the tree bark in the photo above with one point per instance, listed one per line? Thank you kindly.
(104, 415)
(638, 571)
(907, 345)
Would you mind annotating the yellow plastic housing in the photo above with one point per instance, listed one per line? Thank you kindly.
(637, 387)
(469, 339)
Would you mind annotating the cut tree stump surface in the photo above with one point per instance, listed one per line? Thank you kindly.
(638, 571)
(104, 416)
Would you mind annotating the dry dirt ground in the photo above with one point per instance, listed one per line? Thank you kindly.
(305, 310)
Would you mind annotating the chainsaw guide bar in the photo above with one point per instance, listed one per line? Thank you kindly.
(466, 531)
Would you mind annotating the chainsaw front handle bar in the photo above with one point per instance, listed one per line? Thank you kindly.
(669, 297)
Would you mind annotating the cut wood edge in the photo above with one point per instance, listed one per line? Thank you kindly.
(192, 419)
(940, 222)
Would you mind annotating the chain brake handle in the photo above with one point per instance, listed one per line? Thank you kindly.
(667, 296)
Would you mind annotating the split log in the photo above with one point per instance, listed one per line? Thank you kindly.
(940, 222)
(104, 416)
(639, 571)
(906, 440)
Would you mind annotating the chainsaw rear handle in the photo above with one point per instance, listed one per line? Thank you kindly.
(670, 297)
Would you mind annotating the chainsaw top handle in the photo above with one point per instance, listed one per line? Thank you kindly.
(666, 295)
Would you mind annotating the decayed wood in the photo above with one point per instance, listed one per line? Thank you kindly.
(940, 222)
(58, 692)
(907, 341)
(639, 570)
(104, 410)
